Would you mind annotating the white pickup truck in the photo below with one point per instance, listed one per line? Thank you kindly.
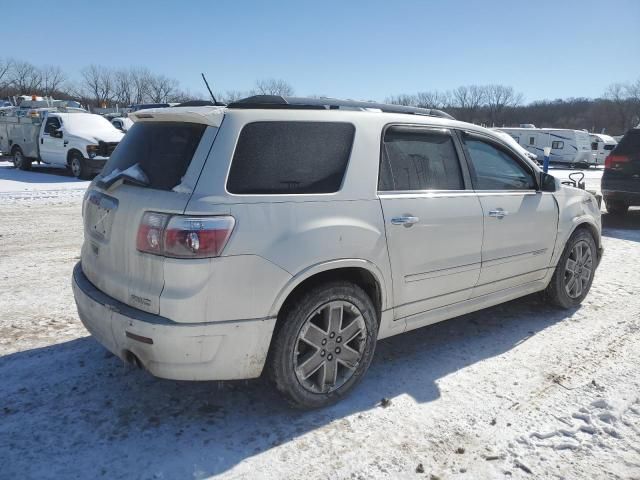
(79, 141)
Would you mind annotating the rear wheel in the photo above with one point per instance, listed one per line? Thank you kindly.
(323, 345)
(19, 160)
(616, 207)
(574, 273)
(78, 166)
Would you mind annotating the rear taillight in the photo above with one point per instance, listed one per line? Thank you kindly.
(614, 161)
(181, 236)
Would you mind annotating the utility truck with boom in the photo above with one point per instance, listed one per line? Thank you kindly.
(76, 140)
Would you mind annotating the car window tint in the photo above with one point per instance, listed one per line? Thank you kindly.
(629, 144)
(290, 157)
(52, 124)
(496, 170)
(163, 150)
(418, 159)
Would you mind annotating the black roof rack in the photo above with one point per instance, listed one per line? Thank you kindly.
(304, 103)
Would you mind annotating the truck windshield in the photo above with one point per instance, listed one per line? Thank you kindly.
(163, 150)
(87, 122)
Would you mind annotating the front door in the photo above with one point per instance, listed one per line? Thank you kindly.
(432, 221)
(520, 222)
(52, 148)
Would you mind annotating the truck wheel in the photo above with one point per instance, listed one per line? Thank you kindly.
(616, 208)
(78, 166)
(323, 345)
(19, 160)
(575, 270)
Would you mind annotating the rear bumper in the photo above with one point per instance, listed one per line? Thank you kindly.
(179, 351)
(96, 164)
(626, 197)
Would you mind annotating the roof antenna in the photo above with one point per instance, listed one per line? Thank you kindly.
(215, 102)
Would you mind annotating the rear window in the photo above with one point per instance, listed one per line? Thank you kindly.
(629, 144)
(163, 150)
(290, 158)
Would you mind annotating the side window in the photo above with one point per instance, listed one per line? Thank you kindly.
(532, 140)
(497, 170)
(52, 124)
(290, 157)
(558, 144)
(419, 159)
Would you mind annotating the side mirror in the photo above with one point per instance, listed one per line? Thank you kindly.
(547, 182)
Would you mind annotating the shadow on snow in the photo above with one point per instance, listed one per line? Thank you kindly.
(72, 410)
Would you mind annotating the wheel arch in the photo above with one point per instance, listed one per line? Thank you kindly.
(361, 272)
(71, 151)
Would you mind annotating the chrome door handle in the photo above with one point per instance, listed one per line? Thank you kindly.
(406, 220)
(498, 213)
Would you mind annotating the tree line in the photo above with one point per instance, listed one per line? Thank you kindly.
(617, 110)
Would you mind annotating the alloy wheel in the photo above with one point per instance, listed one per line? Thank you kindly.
(578, 269)
(329, 347)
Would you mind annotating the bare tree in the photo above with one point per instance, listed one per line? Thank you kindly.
(25, 77)
(161, 88)
(402, 99)
(433, 99)
(273, 86)
(5, 72)
(123, 87)
(619, 95)
(499, 97)
(232, 96)
(99, 83)
(52, 79)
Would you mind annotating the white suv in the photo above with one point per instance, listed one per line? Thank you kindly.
(289, 235)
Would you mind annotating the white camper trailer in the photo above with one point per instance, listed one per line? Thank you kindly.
(601, 146)
(572, 147)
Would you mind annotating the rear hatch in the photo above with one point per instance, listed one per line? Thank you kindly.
(162, 161)
(622, 166)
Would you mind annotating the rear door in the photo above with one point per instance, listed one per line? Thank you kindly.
(169, 153)
(432, 221)
(52, 149)
(520, 222)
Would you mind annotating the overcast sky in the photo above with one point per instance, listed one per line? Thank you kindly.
(351, 49)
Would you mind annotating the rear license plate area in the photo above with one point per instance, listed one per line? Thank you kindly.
(100, 211)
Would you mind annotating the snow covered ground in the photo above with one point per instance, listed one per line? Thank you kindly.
(522, 390)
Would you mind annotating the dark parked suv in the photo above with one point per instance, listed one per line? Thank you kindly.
(621, 178)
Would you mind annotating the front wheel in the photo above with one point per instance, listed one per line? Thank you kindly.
(19, 160)
(574, 273)
(323, 345)
(78, 166)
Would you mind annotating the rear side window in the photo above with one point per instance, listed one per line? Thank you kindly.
(629, 144)
(419, 159)
(290, 158)
(162, 149)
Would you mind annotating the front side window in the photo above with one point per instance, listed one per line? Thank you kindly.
(497, 170)
(558, 144)
(53, 124)
(414, 158)
(290, 158)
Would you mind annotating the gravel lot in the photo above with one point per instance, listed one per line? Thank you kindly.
(522, 390)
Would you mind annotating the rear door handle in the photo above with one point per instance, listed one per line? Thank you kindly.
(406, 220)
(498, 213)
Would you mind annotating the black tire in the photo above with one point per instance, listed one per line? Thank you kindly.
(19, 160)
(285, 345)
(560, 282)
(616, 208)
(78, 166)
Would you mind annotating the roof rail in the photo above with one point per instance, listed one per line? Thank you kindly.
(304, 103)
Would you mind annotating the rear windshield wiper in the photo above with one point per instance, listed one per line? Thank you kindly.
(133, 175)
